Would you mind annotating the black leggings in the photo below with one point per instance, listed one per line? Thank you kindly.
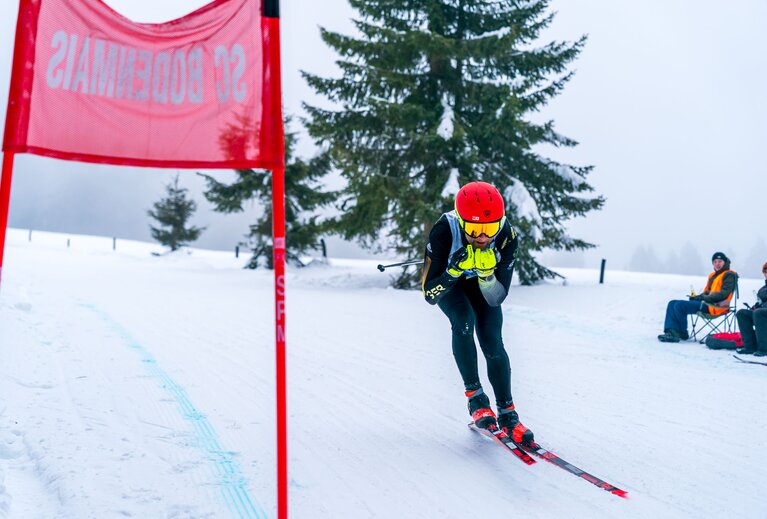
(753, 328)
(467, 309)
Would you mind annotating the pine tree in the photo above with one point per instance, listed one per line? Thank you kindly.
(439, 90)
(303, 195)
(172, 213)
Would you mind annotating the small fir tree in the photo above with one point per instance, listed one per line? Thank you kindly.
(173, 213)
(303, 196)
(439, 90)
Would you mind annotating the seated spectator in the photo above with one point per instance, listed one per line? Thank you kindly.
(714, 300)
(753, 322)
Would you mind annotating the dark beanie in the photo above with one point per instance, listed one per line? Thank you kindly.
(719, 255)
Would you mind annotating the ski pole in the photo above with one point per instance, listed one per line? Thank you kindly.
(403, 264)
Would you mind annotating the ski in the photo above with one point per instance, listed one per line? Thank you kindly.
(750, 361)
(503, 439)
(549, 456)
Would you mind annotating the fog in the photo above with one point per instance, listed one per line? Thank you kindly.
(665, 103)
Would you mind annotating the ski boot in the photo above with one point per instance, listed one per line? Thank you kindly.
(479, 409)
(508, 421)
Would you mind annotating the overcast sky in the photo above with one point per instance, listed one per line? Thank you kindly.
(666, 104)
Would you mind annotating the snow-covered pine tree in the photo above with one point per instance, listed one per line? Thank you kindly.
(172, 214)
(304, 194)
(436, 93)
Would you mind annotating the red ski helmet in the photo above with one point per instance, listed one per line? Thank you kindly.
(479, 203)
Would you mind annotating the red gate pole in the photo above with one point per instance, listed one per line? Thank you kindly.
(5, 201)
(273, 114)
(278, 229)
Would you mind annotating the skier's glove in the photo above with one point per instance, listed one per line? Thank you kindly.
(485, 262)
(696, 298)
(462, 259)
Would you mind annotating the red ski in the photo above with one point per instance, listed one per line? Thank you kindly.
(503, 439)
(549, 456)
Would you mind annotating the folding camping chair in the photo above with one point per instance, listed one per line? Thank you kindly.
(710, 324)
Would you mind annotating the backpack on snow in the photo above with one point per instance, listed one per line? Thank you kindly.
(724, 341)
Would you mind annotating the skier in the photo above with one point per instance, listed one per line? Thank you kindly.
(468, 266)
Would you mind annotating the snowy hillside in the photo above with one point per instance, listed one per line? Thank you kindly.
(141, 386)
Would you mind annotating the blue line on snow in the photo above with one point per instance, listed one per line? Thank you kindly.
(232, 481)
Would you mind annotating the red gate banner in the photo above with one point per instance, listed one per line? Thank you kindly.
(91, 85)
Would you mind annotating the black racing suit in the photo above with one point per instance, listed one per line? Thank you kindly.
(473, 304)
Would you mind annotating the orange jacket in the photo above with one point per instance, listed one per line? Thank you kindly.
(718, 306)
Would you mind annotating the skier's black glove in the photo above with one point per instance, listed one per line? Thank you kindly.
(696, 298)
(462, 259)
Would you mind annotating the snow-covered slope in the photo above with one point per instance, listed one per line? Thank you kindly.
(141, 386)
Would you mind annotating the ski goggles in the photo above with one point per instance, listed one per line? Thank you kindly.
(476, 229)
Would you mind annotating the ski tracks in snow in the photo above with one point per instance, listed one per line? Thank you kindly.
(108, 401)
(228, 476)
